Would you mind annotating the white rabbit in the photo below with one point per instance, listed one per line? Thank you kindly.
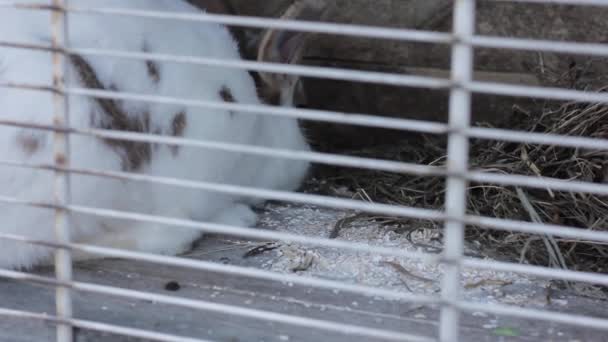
(186, 81)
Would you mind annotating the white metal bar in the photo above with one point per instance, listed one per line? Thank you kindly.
(301, 70)
(527, 44)
(324, 201)
(330, 158)
(352, 119)
(495, 223)
(232, 270)
(290, 69)
(577, 234)
(539, 271)
(601, 3)
(537, 138)
(542, 315)
(345, 329)
(61, 157)
(474, 86)
(495, 42)
(311, 156)
(295, 25)
(550, 93)
(364, 31)
(539, 182)
(307, 114)
(235, 230)
(429, 127)
(97, 326)
(457, 163)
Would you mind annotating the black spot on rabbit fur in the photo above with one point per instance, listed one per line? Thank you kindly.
(133, 154)
(153, 71)
(152, 67)
(178, 125)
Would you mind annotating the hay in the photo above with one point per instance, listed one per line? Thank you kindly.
(546, 206)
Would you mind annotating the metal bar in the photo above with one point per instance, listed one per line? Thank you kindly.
(97, 326)
(290, 69)
(365, 31)
(512, 225)
(320, 200)
(345, 329)
(352, 119)
(538, 315)
(301, 70)
(61, 155)
(498, 134)
(311, 156)
(494, 42)
(457, 163)
(329, 158)
(308, 114)
(502, 224)
(574, 233)
(232, 270)
(601, 3)
(235, 230)
(473, 86)
(539, 271)
(549, 93)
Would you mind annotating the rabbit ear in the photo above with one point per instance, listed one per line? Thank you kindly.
(287, 47)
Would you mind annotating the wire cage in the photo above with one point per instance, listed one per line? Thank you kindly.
(277, 303)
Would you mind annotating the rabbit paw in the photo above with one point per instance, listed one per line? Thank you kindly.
(239, 215)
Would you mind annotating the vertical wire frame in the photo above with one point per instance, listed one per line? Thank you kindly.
(457, 164)
(61, 183)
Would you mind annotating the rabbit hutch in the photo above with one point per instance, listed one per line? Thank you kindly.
(457, 188)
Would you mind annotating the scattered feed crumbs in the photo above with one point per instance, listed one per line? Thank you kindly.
(387, 272)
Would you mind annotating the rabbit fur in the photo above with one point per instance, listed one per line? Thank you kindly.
(125, 33)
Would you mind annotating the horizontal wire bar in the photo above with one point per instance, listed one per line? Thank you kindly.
(260, 234)
(324, 201)
(579, 48)
(311, 156)
(343, 29)
(481, 87)
(600, 3)
(363, 120)
(550, 93)
(384, 209)
(499, 134)
(262, 315)
(577, 234)
(334, 73)
(301, 70)
(98, 326)
(306, 114)
(230, 269)
(597, 49)
(328, 158)
(534, 314)
(235, 230)
(539, 271)
(538, 182)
